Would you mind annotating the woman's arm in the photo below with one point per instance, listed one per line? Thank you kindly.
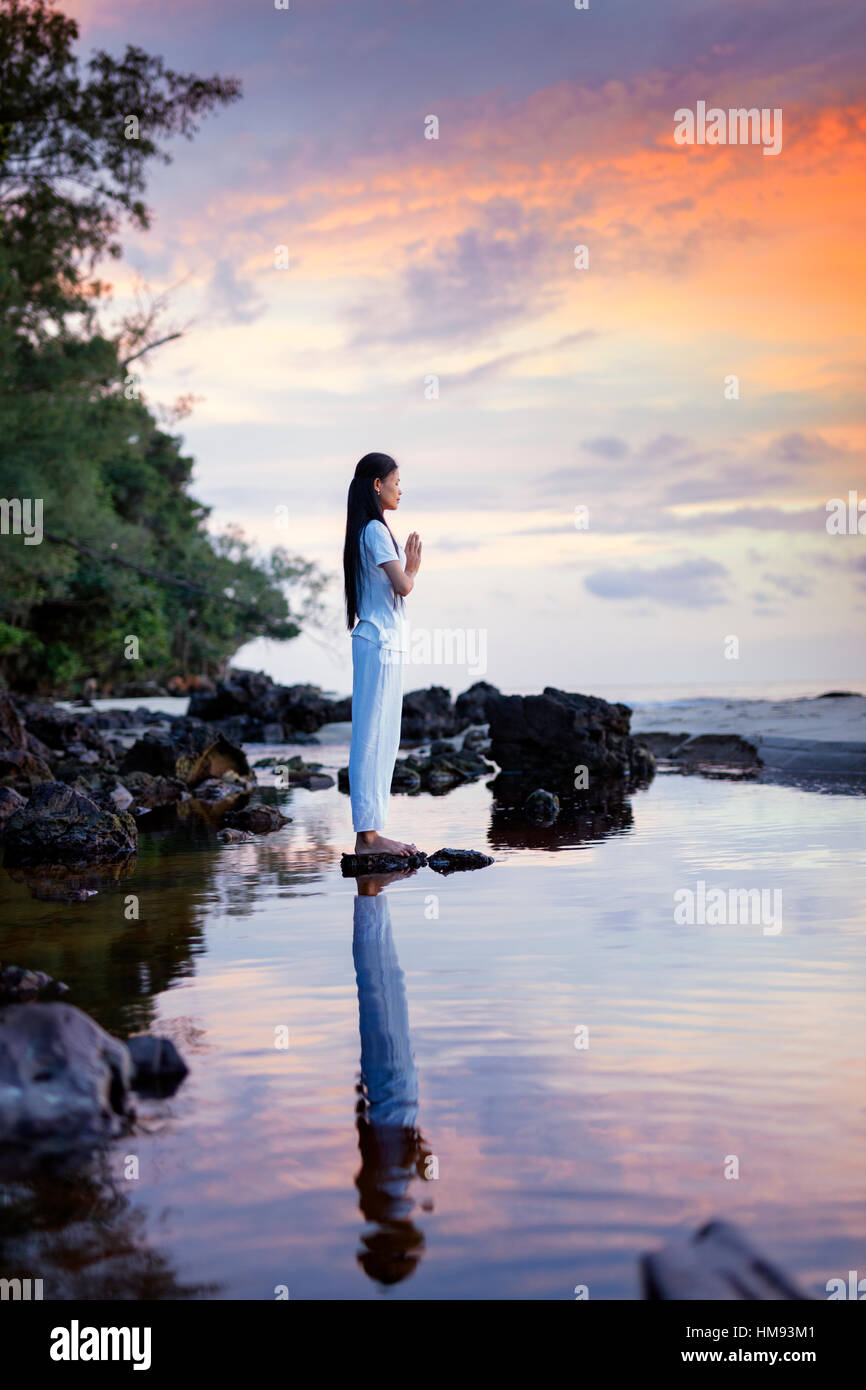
(403, 580)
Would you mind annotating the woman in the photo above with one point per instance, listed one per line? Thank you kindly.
(378, 574)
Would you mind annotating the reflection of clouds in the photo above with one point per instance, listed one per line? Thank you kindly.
(392, 1151)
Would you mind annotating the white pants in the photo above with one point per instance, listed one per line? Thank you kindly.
(377, 709)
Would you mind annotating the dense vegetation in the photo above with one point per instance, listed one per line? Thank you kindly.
(125, 550)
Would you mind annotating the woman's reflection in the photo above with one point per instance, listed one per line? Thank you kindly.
(392, 1149)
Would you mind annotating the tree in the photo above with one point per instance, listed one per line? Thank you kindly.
(126, 549)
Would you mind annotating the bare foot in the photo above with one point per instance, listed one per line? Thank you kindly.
(380, 844)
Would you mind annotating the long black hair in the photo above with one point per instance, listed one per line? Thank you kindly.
(363, 505)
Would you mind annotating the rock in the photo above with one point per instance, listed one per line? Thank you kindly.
(187, 750)
(158, 1067)
(258, 817)
(716, 1263)
(104, 789)
(471, 706)
(220, 791)
(139, 690)
(61, 825)
(148, 792)
(662, 744)
(19, 985)
(839, 695)
(258, 703)
(10, 802)
(272, 733)
(12, 732)
(294, 772)
(64, 1081)
(357, 865)
(23, 770)
(726, 750)
(553, 733)
(542, 806)
(339, 711)
(404, 778)
(58, 728)
(230, 836)
(427, 714)
(476, 740)
(452, 861)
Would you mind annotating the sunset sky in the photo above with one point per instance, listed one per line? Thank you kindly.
(559, 387)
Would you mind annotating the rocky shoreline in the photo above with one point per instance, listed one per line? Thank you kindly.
(78, 784)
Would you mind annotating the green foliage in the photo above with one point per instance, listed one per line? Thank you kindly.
(121, 531)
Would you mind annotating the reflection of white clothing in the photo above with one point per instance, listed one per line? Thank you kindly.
(387, 1065)
(381, 611)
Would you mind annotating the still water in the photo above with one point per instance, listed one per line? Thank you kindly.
(433, 1127)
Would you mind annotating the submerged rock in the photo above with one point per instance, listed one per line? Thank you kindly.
(61, 825)
(258, 817)
(64, 1081)
(542, 806)
(230, 836)
(158, 1066)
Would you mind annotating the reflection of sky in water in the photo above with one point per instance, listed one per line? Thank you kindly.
(556, 1166)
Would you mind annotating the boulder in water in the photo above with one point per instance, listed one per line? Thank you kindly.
(64, 1081)
(61, 825)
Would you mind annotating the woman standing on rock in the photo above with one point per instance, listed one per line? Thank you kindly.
(378, 574)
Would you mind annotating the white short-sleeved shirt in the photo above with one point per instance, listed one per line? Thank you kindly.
(381, 611)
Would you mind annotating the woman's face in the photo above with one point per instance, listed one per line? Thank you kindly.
(389, 490)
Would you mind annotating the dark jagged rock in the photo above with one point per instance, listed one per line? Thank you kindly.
(23, 770)
(18, 985)
(471, 705)
(452, 861)
(357, 865)
(427, 714)
(542, 806)
(10, 802)
(61, 825)
(58, 728)
(12, 732)
(104, 789)
(64, 1081)
(158, 1067)
(257, 817)
(188, 751)
(148, 792)
(557, 731)
(255, 703)
(340, 711)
